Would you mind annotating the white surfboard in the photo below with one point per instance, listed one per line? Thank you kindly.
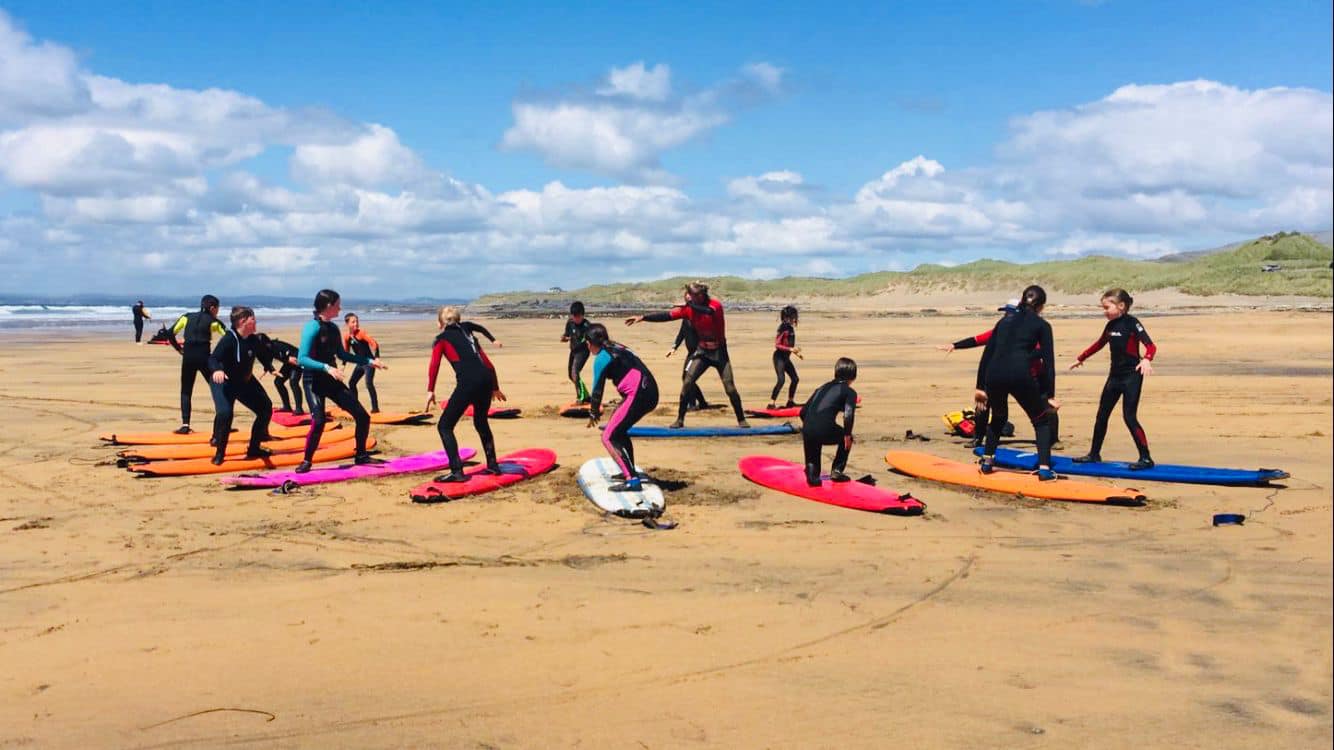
(595, 477)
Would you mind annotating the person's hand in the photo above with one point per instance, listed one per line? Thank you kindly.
(1076, 364)
(292, 361)
(497, 395)
(980, 398)
(430, 402)
(632, 321)
(947, 348)
(335, 373)
(797, 351)
(498, 344)
(1054, 404)
(219, 377)
(377, 364)
(592, 420)
(1145, 367)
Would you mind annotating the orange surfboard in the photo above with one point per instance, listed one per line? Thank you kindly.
(236, 446)
(935, 468)
(278, 432)
(193, 466)
(386, 417)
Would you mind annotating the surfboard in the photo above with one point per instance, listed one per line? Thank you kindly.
(782, 412)
(667, 432)
(1159, 473)
(576, 410)
(938, 469)
(277, 432)
(236, 446)
(280, 432)
(433, 461)
(596, 476)
(385, 417)
(193, 466)
(497, 412)
(288, 419)
(515, 467)
(790, 478)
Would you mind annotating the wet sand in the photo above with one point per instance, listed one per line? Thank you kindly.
(174, 613)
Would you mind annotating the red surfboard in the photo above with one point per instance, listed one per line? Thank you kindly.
(785, 476)
(782, 412)
(288, 419)
(576, 410)
(515, 467)
(497, 412)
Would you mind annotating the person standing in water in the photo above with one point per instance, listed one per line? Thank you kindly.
(197, 329)
(639, 397)
(706, 315)
(321, 345)
(576, 333)
(1006, 369)
(686, 335)
(475, 385)
(357, 341)
(140, 315)
(233, 364)
(785, 345)
(820, 428)
(1124, 333)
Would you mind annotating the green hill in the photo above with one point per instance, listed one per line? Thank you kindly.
(1304, 270)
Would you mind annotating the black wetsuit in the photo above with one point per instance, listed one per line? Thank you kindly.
(1122, 338)
(639, 397)
(819, 426)
(784, 342)
(235, 357)
(686, 335)
(577, 333)
(980, 415)
(137, 310)
(287, 374)
(321, 344)
(197, 333)
(1006, 369)
(474, 385)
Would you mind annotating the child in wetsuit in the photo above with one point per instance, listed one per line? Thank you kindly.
(232, 364)
(576, 333)
(1124, 333)
(818, 425)
(288, 372)
(357, 341)
(475, 385)
(639, 397)
(321, 345)
(785, 345)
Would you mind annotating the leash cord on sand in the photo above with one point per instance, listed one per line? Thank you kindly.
(270, 716)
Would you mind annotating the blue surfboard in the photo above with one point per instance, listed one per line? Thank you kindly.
(1013, 459)
(667, 432)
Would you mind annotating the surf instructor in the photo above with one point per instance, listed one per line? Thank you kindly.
(197, 329)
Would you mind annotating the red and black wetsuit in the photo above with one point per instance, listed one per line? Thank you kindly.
(980, 416)
(1019, 339)
(711, 327)
(474, 383)
(1122, 337)
(784, 342)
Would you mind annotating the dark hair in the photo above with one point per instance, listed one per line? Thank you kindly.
(350, 316)
(845, 369)
(207, 301)
(1032, 298)
(240, 313)
(576, 308)
(597, 335)
(788, 313)
(324, 299)
(1120, 295)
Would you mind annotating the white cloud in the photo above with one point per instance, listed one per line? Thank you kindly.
(781, 192)
(272, 259)
(373, 158)
(769, 77)
(36, 79)
(636, 82)
(628, 124)
(1084, 243)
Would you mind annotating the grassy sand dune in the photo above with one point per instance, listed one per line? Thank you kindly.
(1304, 271)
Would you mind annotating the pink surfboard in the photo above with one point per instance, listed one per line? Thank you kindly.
(288, 419)
(785, 476)
(433, 461)
(515, 467)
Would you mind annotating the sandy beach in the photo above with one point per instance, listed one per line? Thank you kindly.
(174, 613)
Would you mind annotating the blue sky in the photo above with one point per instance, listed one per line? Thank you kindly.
(761, 139)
